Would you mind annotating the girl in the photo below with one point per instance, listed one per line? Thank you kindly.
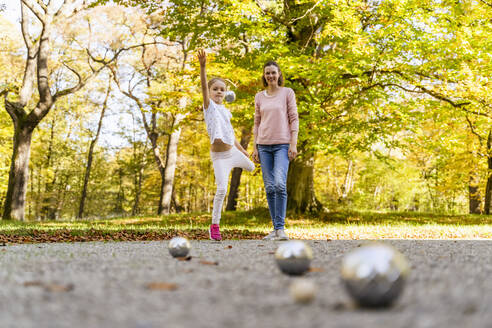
(275, 142)
(226, 151)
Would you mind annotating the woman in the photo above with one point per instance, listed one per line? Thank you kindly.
(275, 142)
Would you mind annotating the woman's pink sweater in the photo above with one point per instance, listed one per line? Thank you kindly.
(275, 117)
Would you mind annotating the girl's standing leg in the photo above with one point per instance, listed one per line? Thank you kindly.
(222, 168)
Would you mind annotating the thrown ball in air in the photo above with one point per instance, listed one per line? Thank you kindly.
(230, 96)
(302, 290)
(294, 257)
(179, 247)
(374, 274)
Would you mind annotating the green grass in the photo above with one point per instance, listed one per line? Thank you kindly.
(334, 225)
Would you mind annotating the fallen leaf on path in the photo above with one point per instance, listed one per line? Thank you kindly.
(161, 286)
(58, 288)
(184, 258)
(51, 287)
(228, 246)
(316, 270)
(209, 262)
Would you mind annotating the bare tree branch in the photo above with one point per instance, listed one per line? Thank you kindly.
(62, 7)
(119, 51)
(480, 138)
(475, 112)
(305, 14)
(487, 3)
(25, 29)
(75, 72)
(131, 96)
(81, 83)
(35, 10)
(43, 6)
(105, 63)
(443, 98)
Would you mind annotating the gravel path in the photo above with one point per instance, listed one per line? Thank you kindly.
(105, 285)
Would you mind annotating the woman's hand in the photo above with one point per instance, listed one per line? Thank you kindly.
(255, 156)
(202, 57)
(292, 152)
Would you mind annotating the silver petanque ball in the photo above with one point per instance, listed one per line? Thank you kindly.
(230, 96)
(179, 247)
(294, 257)
(374, 275)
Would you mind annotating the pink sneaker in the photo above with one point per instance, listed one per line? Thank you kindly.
(214, 232)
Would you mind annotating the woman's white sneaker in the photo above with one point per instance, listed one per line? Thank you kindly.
(271, 236)
(281, 235)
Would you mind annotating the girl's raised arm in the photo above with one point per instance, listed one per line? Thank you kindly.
(202, 57)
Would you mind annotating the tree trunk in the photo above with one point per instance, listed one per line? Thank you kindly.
(170, 166)
(474, 197)
(91, 154)
(120, 197)
(300, 185)
(174, 203)
(48, 208)
(347, 183)
(488, 188)
(86, 179)
(138, 190)
(18, 175)
(236, 175)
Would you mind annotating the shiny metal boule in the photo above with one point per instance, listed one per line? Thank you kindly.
(294, 257)
(179, 247)
(230, 96)
(374, 274)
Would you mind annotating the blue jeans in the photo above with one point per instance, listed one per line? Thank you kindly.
(274, 161)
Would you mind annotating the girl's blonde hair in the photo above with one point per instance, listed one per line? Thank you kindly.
(215, 79)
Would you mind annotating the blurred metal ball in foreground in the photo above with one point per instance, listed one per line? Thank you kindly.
(374, 274)
(230, 96)
(302, 290)
(294, 257)
(179, 247)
